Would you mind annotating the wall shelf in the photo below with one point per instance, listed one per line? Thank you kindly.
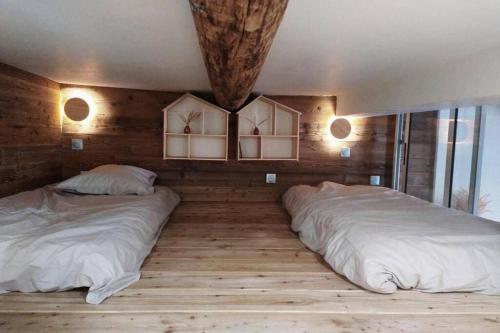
(278, 137)
(208, 138)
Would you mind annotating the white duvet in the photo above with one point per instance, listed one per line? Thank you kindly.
(382, 240)
(55, 242)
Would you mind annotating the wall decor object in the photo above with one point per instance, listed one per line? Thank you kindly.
(340, 128)
(194, 129)
(268, 130)
(139, 141)
(76, 109)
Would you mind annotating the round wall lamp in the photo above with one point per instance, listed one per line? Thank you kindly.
(340, 128)
(76, 109)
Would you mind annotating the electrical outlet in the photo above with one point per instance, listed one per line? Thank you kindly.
(375, 180)
(77, 144)
(345, 152)
(270, 178)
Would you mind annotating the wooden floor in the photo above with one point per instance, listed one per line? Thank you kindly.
(237, 267)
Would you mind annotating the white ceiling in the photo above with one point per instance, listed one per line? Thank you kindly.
(322, 46)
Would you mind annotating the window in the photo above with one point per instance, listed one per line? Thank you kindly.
(451, 157)
(487, 198)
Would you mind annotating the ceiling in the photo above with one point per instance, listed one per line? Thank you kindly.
(322, 46)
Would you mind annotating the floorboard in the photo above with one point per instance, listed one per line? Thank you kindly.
(237, 267)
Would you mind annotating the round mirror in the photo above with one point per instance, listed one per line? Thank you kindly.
(76, 109)
(340, 128)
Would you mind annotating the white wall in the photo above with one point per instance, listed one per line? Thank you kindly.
(472, 81)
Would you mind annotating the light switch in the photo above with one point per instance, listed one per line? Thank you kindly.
(375, 180)
(77, 144)
(270, 178)
(345, 152)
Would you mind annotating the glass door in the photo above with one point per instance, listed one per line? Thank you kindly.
(463, 164)
(487, 193)
(417, 145)
(451, 157)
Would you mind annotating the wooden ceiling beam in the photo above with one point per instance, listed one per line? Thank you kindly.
(235, 38)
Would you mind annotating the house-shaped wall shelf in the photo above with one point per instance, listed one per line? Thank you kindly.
(277, 137)
(207, 139)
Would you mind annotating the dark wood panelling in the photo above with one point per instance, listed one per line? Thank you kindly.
(421, 158)
(30, 131)
(127, 129)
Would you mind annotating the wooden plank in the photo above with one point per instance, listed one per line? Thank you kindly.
(277, 223)
(234, 243)
(223, 209)
(275, 301)
(14, 73)
(237, 254)
(248, 232)
(236, 265)
(250, 214)
(246, 323)
(422, 146)
(242, 281)
(227, 193)
(30, 131)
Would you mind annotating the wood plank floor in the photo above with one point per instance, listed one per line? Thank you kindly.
(237, 267)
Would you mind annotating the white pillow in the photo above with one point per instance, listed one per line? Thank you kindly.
(111, 179)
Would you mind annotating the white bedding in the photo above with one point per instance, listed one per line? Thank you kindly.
(382, 239)
(54, 242)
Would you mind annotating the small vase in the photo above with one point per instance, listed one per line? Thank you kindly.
(256, 131)
(187, 129)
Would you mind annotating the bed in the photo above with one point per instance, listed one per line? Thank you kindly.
(382, 240)
(53, 241)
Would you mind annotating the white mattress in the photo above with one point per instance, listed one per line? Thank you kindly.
(55, 242)
(382, 239)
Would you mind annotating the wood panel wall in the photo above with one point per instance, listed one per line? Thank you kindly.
(30, 131)
(421, 155)
(127, 129)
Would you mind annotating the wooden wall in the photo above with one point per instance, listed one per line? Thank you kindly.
(421, 155)
(127, 129)
(30, 131)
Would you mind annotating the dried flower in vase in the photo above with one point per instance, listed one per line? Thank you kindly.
(191, 116)
(255, 123)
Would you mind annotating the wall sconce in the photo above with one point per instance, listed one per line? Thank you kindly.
(78, 105)
(76, 109)
(340, 128)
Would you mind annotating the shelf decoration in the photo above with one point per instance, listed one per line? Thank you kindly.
(268, 130)
(194, 129)
(191, 116)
